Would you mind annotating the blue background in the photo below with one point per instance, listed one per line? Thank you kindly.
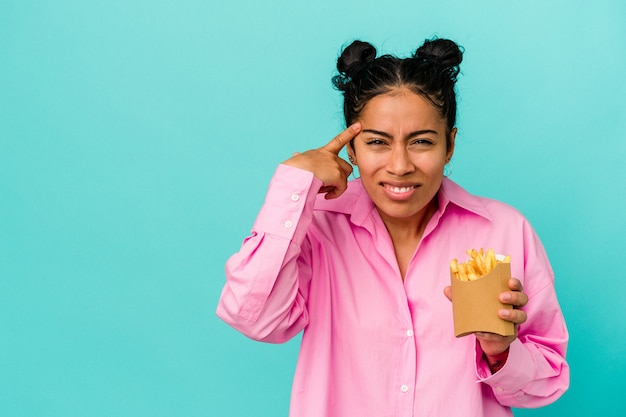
(137, 139)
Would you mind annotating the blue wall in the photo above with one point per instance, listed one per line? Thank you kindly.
(137, 139)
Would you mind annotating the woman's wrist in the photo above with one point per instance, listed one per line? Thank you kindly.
(496, 362)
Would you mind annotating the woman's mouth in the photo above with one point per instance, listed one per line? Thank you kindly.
(399, 192)
(400, 189)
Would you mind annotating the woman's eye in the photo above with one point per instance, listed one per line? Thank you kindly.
(375, 142)
(422, 142)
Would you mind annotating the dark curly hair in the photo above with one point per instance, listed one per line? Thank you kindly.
(431, 73)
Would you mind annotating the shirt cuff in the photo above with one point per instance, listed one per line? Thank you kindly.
(512, 377)
(288, 208)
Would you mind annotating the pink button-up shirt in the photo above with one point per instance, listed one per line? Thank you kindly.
(374, 345)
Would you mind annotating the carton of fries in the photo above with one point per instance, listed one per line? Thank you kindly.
(476, 285)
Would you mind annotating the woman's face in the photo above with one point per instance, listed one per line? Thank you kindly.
(400, 153)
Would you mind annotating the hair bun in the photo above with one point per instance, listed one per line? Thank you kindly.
(355, 57)
(443, 53)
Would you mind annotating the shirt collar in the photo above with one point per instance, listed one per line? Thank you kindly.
(452, 193)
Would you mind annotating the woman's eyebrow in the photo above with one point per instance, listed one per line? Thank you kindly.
(377, 132)
(410, 135)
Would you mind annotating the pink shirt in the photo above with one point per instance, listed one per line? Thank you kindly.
(374, 345)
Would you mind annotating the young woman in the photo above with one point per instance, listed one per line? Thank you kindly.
(362, 266)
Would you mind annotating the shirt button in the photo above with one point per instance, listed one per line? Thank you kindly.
(404, 388)
(409, 333)
(288, 224)
(295, 197)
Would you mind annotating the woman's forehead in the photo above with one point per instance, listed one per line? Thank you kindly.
(401, 106)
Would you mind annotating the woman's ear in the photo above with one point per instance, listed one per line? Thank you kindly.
(351, 153)
(450, 150)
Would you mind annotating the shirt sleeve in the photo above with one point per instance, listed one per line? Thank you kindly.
(267, 280)
(536, 372)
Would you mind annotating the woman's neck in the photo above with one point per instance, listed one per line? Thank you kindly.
(410, 228)
(406, 233)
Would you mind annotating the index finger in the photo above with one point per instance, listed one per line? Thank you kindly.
(336, 145)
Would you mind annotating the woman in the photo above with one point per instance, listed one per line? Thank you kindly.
(362, 266)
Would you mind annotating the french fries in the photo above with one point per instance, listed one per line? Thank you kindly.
(479, 265)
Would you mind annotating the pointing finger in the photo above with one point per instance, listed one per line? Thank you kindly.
(339, 141)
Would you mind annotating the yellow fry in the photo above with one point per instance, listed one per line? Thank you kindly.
(469, 269)
(491, 258)
(463, 272)
(472, 272)
(479, 262)
(454, 268)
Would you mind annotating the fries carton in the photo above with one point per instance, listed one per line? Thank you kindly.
(475, 304)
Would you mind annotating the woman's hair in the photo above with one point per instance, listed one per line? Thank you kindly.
(431, 73)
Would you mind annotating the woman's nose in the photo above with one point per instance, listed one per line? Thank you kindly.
(399, 162)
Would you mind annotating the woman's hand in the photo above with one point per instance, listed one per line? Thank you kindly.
(493, 344)
(326, 164)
